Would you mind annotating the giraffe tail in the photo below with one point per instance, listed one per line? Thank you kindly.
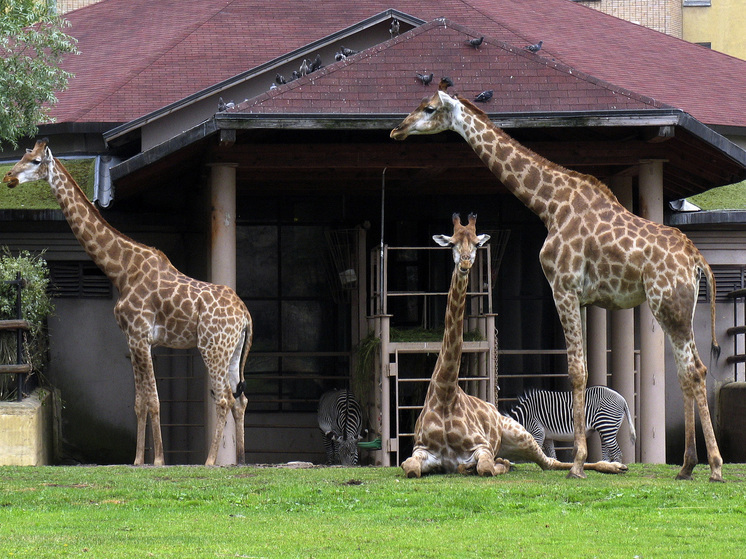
(247, 339)
(711, 293)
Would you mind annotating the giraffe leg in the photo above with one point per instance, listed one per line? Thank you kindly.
(239, 412)
(146, 403)
(421, 462)
(692, 378)
(568, 308)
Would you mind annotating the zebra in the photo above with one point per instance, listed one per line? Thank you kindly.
(341, 420)
(547, 416)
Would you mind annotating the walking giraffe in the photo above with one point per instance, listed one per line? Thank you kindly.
(456, 432)
(596, 253)
(157, 306)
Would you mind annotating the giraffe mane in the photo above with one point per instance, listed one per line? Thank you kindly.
(595, 182)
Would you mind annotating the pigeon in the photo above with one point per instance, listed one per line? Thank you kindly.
(425, 78)
(445, 83)
(223, 106)
(484, 96)
(534, 48)
(280, 79)
(316, 64)
(296, 75)
(273, 86)
(304, 67)
(394, 29)
(339, 56)
(475, 42)
(347, 52)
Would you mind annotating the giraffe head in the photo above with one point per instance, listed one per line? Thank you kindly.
(33, 166)
(435, 114)
(464, 242)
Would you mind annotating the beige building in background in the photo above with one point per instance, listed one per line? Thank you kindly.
(716, 24)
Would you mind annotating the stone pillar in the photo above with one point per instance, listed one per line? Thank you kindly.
(223, 272)
(622, 324)
(652, 339)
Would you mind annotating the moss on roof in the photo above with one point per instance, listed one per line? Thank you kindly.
(729, 197)
(37, 195)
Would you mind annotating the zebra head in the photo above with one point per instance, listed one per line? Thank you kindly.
(464, 242)
(347, 449)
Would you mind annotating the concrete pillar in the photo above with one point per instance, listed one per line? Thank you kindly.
(622, 325)
(652, 339)
(223, 272)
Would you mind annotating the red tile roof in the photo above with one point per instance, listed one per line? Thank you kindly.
(383, 79)
(138, 55)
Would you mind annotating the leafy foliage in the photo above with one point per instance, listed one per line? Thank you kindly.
(36, 306)
(32, 45)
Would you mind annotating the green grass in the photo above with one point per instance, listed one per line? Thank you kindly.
(194, 512)
(37, 195)
(730, 197)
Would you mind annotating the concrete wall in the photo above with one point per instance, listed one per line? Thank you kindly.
(27, 431)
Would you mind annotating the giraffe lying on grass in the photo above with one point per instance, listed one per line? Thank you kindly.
(456, 432)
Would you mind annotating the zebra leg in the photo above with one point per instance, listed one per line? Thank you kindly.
(548, 448)
(610, 450)
(329, 448)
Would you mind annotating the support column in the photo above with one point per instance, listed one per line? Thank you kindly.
(652, 339)
(223, 272)
(622, 323)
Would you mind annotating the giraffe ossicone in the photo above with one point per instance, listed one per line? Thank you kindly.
(596, 253)
(157, 306)
(457, 432)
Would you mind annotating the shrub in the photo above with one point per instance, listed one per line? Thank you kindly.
(36, 306)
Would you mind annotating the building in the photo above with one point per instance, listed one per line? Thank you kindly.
(307, 164)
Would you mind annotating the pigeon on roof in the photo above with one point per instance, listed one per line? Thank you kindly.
(475, 42)
(280, 79)
(346, 51)
(223, 106)
(316, 64)
(303, 70)
(534, 48)
(394, 29)
(425, 78)
(484, 96)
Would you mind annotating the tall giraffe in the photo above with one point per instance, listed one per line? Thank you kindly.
(596, 253)
(456, 432)
(157, 306)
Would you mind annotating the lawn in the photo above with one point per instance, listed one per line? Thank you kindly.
(192, 511)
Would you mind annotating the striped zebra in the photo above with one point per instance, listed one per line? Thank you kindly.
(547, 416)
(341, 420)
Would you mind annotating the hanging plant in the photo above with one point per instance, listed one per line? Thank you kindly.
(36, 306)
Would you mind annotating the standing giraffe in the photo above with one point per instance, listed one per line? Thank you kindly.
(596, 253)
(157, 306)
(456, 432)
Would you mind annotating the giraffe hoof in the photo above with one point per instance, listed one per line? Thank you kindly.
(573, 475)
(685, 477)
(717, 479)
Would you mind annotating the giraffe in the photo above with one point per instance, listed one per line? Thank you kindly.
(157, 306)
(456, 432)
(596, 253)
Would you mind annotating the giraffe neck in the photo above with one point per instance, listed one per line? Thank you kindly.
(445, 375)
(107, 247)
(540, 184)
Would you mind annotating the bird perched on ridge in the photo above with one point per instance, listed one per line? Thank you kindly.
(316, 64)
(475, 42)
(445, 83)
(223, 106)
(346, 51)
(484, 96)
(303, 70)
(280, 79)
(425, 78)
(394, 29)
(534, 48)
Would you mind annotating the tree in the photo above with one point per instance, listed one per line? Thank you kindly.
(32, 44)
